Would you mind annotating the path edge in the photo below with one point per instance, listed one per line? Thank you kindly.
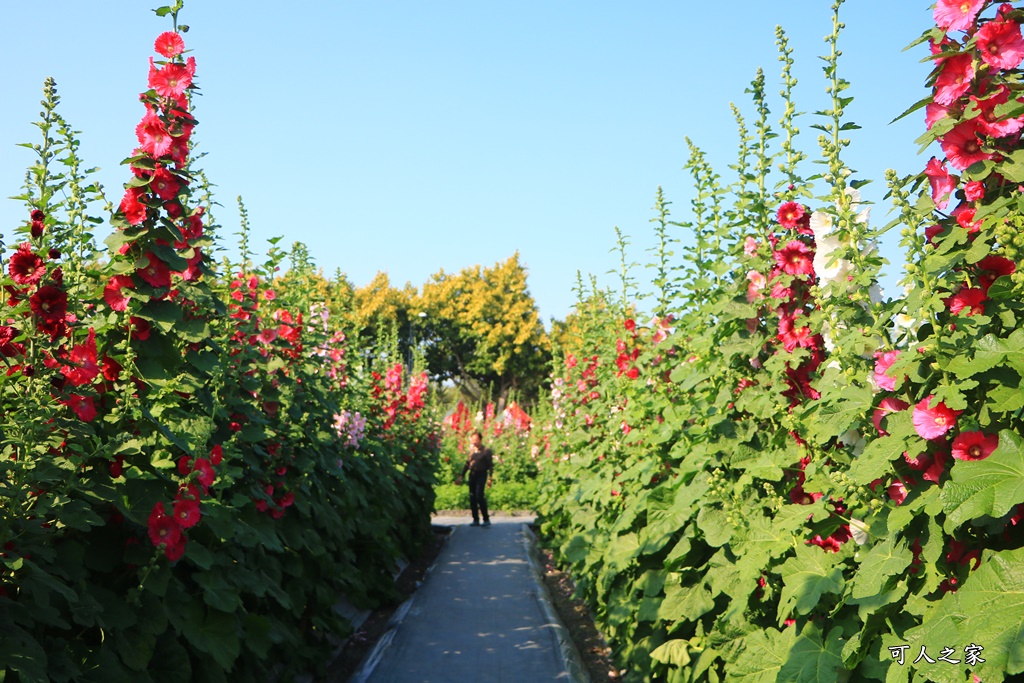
(572, 663)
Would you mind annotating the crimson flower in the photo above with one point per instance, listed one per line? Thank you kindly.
(942, 183)
(957, 15)
(205, 471)
(216, 455)
(789, 214)
(186, 512)
(795, 258)
(955, 79)
(974, 190)
(792, 336)
(50, 304)
(933, 113)
(83, 356)
(169, 44)
(26, 267)
(164, 530)
(630, 324)
(969, 299)
(169, 81)
(164, 183)
(140, 328)
(962, 146)
(933, 422)
(111, 369)
(156, 273)
(897, 492)
(112, 291)
(989, 121)
(974, 445)
(993, 267)
(1001, 44)
(83, 407)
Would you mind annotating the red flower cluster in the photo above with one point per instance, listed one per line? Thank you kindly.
(167, 531)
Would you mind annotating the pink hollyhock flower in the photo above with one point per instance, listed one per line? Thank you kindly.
(969, 299)
(883, 361)
(933, 113)
(974, 445)
(1001, 44)
(156, 273)
(887, 406)
(750, 246)
(164, 183)
(989, 122)
(756, 283)
(152, 135)
(974, 190)
(957, 15)
(954, 80)
(795, 258)
(937, 467)
(26, 267)
(921, 463)
(169, 44)
(941, 181)
(171, 80)
(85, 368)
(933, 422)
(993, 267)
(789, 214)
(962, 146)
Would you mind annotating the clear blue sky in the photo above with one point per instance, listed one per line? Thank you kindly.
(414, 136)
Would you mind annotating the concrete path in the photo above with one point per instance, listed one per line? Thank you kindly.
(481, 616)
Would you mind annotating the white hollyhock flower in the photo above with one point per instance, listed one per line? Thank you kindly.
(853, 440)
(859, 531)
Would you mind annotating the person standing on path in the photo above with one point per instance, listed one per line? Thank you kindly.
(480, 465)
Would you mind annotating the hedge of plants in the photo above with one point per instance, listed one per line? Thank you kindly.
(196, 466)
(782, 475)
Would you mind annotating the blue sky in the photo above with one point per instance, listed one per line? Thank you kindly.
(410, 137)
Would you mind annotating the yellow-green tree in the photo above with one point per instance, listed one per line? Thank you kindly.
(481, 330)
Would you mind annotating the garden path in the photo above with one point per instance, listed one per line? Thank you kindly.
(481, 616)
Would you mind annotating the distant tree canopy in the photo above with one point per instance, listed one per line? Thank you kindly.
(478, 328)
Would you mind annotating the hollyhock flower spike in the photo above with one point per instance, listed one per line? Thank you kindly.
(932, 422)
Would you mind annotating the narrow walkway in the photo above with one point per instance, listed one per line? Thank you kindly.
(481, 616)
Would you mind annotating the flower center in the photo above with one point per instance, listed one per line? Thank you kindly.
(975, 451)
(940, 420)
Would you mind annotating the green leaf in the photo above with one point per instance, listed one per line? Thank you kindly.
(886, 559)
(986, 487)
(136, 648)
(988, 610)
(808, 576)
(762, 657)
(1004, 399)
(216, 633)
(673, 652)
(685, 603)
(811, 661)
(717, 529)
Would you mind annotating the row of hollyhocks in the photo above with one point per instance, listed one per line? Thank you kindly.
(170, 468)
(907, 435)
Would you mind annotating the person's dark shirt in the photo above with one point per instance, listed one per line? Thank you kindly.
(479, 461)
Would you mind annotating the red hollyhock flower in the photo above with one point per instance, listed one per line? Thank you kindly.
(933, 113)
(164, 183)
(962, 146)
(630, 324)
(789, 214)
(83, 407)
(933, 422)
(937, 467)
(974, 190)
(156, 273)
(163, 529)
(176, 551)
(153, 135)
(957, 15)
(134, 210)
(969, 299)
(931, 232)
(169, 44)
(941, 181)
(792, 336)
(112, 291)
(140, 328)
(83, 356)
(206, 473)
(974, 445)
(795, 258)
(26, 267)
(955, 79)
(958, 554)
(171, 80)
(921, 463)
(993, 267)
(216, 455)
(50, 304)
(898, 491)
(111, 369)
(1001, 44)
(186, 512)
(965, 219)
